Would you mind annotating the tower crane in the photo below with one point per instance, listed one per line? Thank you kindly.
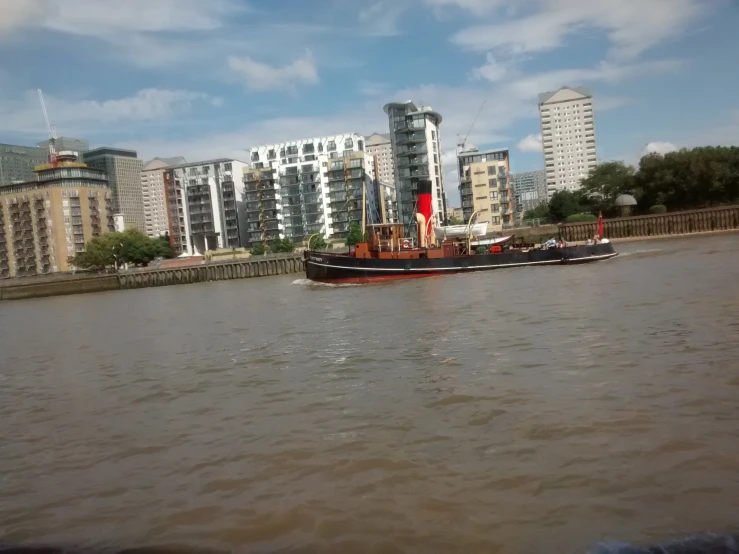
(50, 127)
(463, 142)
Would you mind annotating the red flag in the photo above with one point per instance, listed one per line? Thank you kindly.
(600, 225)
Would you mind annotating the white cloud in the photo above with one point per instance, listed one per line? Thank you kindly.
(16, 14)
(260, 76)
(492, 71)
(530, 143)
(371, 88)
(659, 148)
(477, 7)
(148, 105)
(380, 17)
(530, 86)
(103, 17)
(632, 26)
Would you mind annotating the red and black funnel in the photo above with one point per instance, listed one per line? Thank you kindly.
(426, 209)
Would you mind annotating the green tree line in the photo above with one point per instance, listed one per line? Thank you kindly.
(683, 180)
(129, 247)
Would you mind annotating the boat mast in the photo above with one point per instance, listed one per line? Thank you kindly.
(364, 206)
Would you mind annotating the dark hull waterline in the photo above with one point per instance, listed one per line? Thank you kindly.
(325, 267)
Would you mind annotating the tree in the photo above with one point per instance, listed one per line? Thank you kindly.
(456, 221)
(540, 212)
(98, 254)
(283, 245)
(129, 247)
(258, 249)
(563, 204)
(317, 242)
(604, 184)
(355, 234)
(164, 248)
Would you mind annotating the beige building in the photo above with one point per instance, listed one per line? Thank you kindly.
(568, 137)
(154, 195)
(455, 213)
(484, 187)
(123, 169)
(380, 145)
(45, 222)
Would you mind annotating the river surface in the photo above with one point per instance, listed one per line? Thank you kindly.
(518, 410)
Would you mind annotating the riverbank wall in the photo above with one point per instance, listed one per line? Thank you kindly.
(54, 285)
(725, 218)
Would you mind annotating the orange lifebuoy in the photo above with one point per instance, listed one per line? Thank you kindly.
(495, 249)
(406, 243)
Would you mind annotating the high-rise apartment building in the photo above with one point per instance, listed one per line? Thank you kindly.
(297, 188)
(123, 169)
(205, 205)
(45, 222)
(484, 187)
(380, 145)
(529, 189)
(568, 137)
(155, 195)
(416, 146)
(17, 163)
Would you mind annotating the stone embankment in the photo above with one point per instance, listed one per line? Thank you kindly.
(53, 285)
(725, 218)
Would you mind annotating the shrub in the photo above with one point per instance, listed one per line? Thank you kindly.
(658, 209)
(581, 218)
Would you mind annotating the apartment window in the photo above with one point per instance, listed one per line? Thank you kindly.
(255, 156)
(496, 220)
(493, 183)
(494, 195)
(320, 147)
(436, 159)
(331, 146)
(433, 135)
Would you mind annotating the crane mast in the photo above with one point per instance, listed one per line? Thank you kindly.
(51, 129)
(461, 145)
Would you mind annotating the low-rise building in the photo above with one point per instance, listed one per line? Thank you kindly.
(47, 221)
(484, 187)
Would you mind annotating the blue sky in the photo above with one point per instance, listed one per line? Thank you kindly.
(210, 78)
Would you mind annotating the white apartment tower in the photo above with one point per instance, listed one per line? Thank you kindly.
(155, 197)
(416, 145)
(205, 205)
(380, 145)
(297, 188)
(568, 137)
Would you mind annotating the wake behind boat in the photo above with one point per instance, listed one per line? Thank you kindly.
(388, 254)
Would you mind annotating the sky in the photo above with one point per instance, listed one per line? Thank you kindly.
(212, 78)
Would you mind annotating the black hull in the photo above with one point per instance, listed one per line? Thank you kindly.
(325, 267)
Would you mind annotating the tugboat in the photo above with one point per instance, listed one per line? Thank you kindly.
(388, 254)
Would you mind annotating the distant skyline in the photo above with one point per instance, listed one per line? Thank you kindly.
(211, 79)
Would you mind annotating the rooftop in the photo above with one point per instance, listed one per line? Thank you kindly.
(205, 162)
(546, 96)
(109, 151)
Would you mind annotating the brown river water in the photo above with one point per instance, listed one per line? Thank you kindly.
(519, 410)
